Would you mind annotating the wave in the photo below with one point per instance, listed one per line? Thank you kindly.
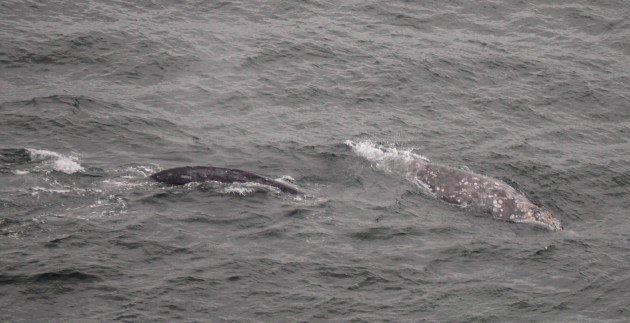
(235, 188)
(66, 276)
(68, 164)
(62, 120)
(390, 159)
(47, 160)
(378, 153)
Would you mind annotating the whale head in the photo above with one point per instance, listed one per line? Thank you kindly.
(545, 219)
(528, 212)
(540, 217)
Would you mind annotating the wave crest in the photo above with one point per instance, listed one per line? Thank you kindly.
(390, 159)
(62, 163)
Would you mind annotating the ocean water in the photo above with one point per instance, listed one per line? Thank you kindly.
(96, 95)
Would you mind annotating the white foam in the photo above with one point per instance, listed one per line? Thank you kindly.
(286, 179)
(59, 162)
(124, 184)
(20, 172)
(138, 171)
(104, 206)
(247, 188)
(389, 158)
(49, 190)
(41, 154)
(376, 152)
(237, 188)
(67, 166)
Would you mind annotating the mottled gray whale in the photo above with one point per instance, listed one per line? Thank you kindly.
(189, 174)
(483, 194)
(461, 187)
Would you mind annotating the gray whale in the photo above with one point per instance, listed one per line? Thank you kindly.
(189, 174)
(483, 194)
(461, 187)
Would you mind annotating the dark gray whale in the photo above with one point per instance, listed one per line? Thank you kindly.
(460, 187)
(188, 174)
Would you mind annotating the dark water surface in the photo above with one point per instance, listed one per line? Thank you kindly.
(96, 95)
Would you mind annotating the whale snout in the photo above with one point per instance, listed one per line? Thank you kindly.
(546, 219)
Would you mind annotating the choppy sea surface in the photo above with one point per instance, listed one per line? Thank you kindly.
(96, 95)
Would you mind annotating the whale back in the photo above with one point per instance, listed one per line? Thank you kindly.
(190, 174)
(485, 195)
